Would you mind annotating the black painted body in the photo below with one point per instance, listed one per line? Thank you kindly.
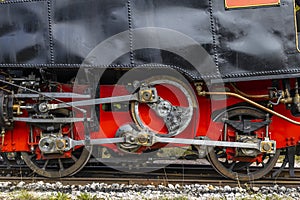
(244, 44)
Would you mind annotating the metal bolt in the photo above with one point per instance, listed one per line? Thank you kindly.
(60, 144)
(266, 147)
(43, 107)
(132, 139)
(136, 84)
(146, 96)
(142, 138)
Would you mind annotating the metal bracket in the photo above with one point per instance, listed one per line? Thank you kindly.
(148, 95)
(268, 146)
(247, 126)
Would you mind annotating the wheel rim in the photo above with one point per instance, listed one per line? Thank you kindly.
(58, 167)
(242, 170)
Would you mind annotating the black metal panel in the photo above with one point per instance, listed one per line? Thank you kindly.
(241, 44)
(191, 18)
(24, 33)
(255, 42)
(80, 25)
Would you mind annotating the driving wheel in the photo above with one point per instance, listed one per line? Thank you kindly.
(242, 164)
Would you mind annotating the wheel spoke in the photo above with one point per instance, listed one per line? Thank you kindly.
(58, 166)
(61, 166)
(74, 158)
(240, 118)
(221, 155)
(32, 156)
(232, 165)
(45, 165)
(242, 165)
(239, 168)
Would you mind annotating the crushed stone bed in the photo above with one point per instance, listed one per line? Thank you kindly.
(42, 190)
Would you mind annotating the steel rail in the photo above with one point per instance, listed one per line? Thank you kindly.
(179, 174)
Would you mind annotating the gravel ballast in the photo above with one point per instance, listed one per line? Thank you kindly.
(41, 190)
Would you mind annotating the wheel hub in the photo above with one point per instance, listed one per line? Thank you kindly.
(52, 144)
(163, 108)
(244, 164)
(247, 152)
(175, 116)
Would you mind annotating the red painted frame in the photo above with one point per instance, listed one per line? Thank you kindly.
(283, 132)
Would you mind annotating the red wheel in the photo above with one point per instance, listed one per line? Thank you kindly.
(58, 167)
(173, 112)
(47, 161)
(239, 167)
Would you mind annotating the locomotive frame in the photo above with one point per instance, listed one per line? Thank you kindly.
(132, 77)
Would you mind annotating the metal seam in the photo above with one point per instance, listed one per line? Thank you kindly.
(213, 31)
(50, 34)
(129, 13)
(194, 76)
(19, 1)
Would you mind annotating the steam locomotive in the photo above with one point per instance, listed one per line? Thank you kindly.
(137, 76)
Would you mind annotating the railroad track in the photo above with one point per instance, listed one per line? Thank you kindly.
(287, 182)
(172, 174)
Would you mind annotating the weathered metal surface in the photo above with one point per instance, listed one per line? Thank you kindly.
(245, 44)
